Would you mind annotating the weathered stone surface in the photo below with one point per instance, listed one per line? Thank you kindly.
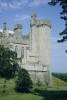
(35, 48)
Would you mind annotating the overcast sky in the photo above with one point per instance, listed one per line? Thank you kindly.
(19, 11)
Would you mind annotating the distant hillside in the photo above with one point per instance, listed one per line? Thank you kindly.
(58, 82)
(62, 76)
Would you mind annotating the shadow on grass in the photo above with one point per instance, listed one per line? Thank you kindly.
(22, 90)
(51, 95)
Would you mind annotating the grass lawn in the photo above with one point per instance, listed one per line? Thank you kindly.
(58, 91)
(21, 97)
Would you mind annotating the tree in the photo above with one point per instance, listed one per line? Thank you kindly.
(63, 5)
(23, 81)
(8, 62)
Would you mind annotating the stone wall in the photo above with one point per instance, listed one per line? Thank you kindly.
(35, 45)
(40, 34)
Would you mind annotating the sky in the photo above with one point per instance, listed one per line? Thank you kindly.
(19, 11)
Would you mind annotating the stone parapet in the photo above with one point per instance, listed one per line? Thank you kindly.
(36, 22)
(39, 23)
(18, 26)
(43, 22)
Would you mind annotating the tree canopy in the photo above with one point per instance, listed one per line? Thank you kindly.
(63, 15)
(8, 62)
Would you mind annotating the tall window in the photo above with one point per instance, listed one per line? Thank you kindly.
(10, 46)
(16, 49)
(22, 52)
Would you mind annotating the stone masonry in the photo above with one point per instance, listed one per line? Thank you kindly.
(34, 48)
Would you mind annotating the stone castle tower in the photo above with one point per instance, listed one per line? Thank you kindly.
(34, 48)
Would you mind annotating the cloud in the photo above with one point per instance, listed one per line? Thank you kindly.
(3, 4)
(13, 3)
(22, 17)
(34, 3)
(21, 3)
(17, 3)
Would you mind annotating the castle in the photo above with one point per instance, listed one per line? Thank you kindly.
(34, 48)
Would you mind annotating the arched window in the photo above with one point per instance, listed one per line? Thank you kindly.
(22, 52)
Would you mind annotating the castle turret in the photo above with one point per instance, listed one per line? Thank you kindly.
(5, 30)
(4, 26)
(18, 29)
(44, 53)
(43, 27)
(40, 43)
(33, 19)
(34, 34)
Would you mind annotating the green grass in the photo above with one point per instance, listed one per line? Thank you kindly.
(58, 91)
(21, 97)
(58, 82)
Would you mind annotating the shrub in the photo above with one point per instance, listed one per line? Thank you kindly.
(23, 81)
(38, 82)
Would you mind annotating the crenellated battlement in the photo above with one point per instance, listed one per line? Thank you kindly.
(38, 23)
(17, 26)
(43, 22)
